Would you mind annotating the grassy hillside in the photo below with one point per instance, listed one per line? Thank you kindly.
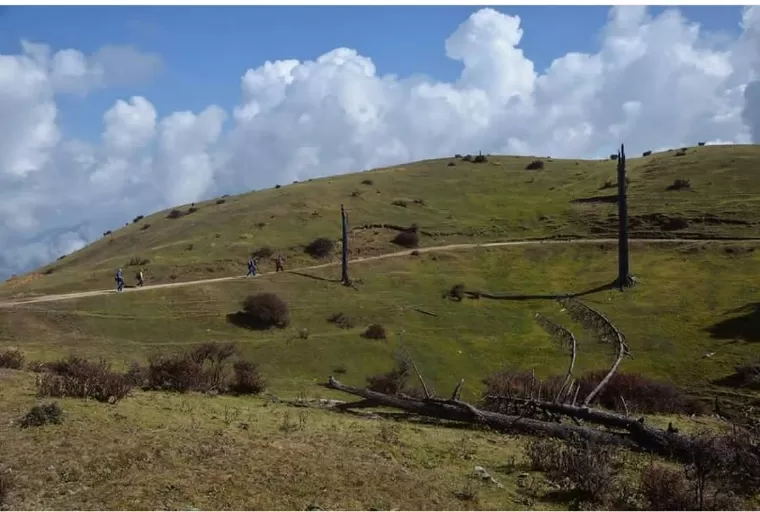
(450, 199)
(692, 318)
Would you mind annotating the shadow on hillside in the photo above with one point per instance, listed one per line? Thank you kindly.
(318, 278)
(612, 285)
(745, 327)
(243, 320)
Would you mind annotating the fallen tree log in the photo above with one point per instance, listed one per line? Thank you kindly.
(638, 437)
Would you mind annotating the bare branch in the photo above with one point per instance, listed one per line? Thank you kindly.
(414, 367)
(565, 338)
(457, 390)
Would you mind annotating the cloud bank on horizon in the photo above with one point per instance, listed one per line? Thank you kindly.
(656, 82)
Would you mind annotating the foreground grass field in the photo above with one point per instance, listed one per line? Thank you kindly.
(158, 451)
(466, 202)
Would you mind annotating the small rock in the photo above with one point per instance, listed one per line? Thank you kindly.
(481, 472)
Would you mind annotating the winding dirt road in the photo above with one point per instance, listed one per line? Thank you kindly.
(407, 252)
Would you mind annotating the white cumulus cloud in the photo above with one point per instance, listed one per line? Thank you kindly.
(654, 82)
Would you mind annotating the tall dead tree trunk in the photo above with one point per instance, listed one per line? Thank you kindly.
(624, 279)
(344, 266)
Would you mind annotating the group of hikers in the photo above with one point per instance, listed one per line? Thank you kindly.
(120, 279)
(252, 265)
(279, 262)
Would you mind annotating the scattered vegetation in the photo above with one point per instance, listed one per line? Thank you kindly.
(375, 332)
(12, 359)
(535, 165)
(681, 152)
(76, 377)
(403, 203)
(137, 261)
(320, 248)
(247, 379)
(175, 214)
(264, 311)
(408, 239)
(680, 184)
(367, 182)
(41, 415)
(646, 153)
(138, 219)
(341, 320)
(392, 382)
(144, 227)
(262, 253)
(221, 201)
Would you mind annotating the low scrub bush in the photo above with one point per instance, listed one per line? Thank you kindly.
(320, 248)
(451, 164)
(80, 378)
(392, 382)
(680, 185)
(367, 182)
(145, 226)
(247, 379)
(646, 153)
(535, 165)
(41, 415)
(664, 488)
(403, 203)
(265, 310)
(480, 159)
(341, 320)
(221, 201)
(192, 209)
(613, 156)
(262, 253)
(700, 144)
(375, 332)
(681, 152)
(456, 293)
(624, 391)
(408, 239)
(107, 233)
(12, 359)
(176, 372)
(175, 214)
(467, 158)
(138, 219)
(137, 261)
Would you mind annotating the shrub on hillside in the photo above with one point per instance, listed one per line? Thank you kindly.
(403, 203)
(192, 209)
(265, 310)
(680, 152)
(262, 253)
(177, 372)
(480, 159)
(700, 144)
(367, 182)
(408, 239)
(375, 332)
(137, 261)
(535, 165)
(80, 378)
(175, 214)
(665, 488)
(646, 153)
(278, 186)
(392, 382)
(467, 158)
(41, 415)
(12, 359)
(640, 394)
(145, 226)
(320, 248)
(680, 185)
(247, 379)
(451, 164)
(341, 320)
(220, 201)
(456, 293)
(138, 219)
(107, 233)
(613, 156)
(587, 472)
(355, 193)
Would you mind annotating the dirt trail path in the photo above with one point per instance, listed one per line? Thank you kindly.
(407, 252)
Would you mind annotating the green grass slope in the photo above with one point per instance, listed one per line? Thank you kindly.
(463, 202)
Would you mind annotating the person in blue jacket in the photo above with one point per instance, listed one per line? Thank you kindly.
(119, 281)
(251, 267)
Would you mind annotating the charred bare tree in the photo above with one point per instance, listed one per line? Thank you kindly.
(344, 279)
(624, 280)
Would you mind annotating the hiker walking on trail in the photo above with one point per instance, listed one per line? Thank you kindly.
(119, 281)
(140, 280)
(251, 267)
(278, 262)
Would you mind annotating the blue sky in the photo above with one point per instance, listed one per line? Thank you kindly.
(207, 49)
